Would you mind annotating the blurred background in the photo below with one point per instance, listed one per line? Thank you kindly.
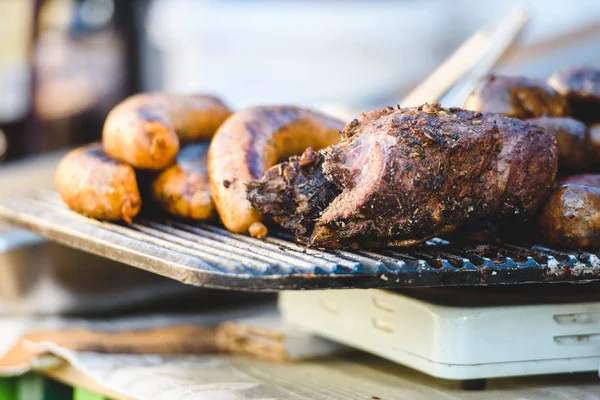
(65, 63)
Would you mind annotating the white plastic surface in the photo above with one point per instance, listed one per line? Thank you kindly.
(454, 342)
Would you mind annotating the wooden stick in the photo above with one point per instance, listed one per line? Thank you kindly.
(477, 63)
(438, 83)
(440, 80)
(476, 56)
(500, 41)
(449, 71)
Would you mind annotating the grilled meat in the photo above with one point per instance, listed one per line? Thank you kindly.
(406, 175)
(581, 87)
(575, 151)
(571, 217)
(183, 189)
(517, 97)
(94, 185)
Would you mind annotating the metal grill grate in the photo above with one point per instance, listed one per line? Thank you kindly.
(206, 255)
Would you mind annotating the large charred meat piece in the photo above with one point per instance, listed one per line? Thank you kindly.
(406, 175)
(419, 172)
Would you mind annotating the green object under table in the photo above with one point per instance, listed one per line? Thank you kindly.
(36, 387)
(84, 394)
(8, 388)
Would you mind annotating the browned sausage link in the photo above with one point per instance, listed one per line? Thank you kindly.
(145, 130)
(581, 87)
(571, 217)
(595, 140)
(581, 179)
(517, 97)
(183, 189)
(575, 151)
(251, 141)
(96, 186)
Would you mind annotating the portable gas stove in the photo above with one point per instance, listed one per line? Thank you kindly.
(461, 333)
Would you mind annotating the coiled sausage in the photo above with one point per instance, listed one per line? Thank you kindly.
(248, 143)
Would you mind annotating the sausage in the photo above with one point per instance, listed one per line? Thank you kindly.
(581, 87)
(145, 130)
(251, 141)
(595, 141)
(94, 185)
(574, 144)
(183, 188)
(517, 97)
(581, 179)
(571, 217)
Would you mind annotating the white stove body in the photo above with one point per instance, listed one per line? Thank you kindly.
(454, 342)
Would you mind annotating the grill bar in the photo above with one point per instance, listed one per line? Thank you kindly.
(207, 255)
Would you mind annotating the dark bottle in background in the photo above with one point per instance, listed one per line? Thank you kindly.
(16, 76)
(63, 66)
(80, 69)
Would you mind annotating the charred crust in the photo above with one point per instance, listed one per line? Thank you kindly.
(401, 176)
(292, 194)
